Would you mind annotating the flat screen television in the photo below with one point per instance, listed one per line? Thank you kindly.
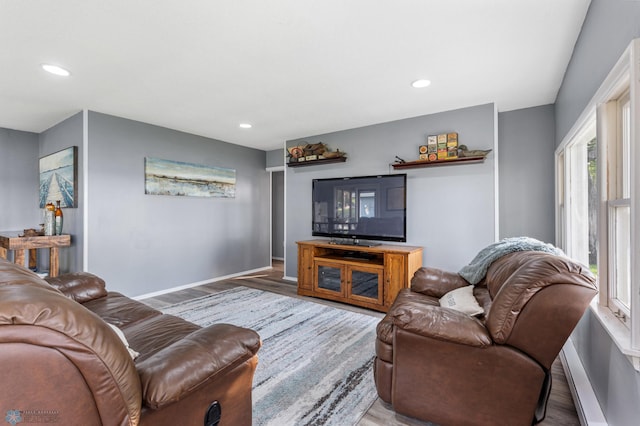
(360, 208)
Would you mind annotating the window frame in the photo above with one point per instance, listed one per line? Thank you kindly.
(625, 76)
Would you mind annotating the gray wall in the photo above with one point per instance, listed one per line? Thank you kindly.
(450, 209)
(277, 215)
(146, 243)
(275, 158)
(19, 180)
(526, 164)
(61, 136)
(608, 29)
(615, 382)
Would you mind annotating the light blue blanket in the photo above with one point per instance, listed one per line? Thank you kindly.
(475, 271)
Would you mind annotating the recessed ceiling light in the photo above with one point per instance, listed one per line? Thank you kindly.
(245, 126)
(418, 84)
(54, 69)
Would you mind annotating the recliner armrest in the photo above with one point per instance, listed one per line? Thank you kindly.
(436, 282)
(79, 286)
(441, 323)
(181, 368)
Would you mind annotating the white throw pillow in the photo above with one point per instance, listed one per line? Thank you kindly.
(463, 300)
(120, 334)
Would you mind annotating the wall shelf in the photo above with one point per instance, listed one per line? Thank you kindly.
(318, 162)
(425, 163)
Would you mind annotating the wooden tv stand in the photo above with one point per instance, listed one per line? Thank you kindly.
(370, 277)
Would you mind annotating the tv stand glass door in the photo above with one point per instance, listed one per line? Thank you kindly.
(364, 283)
(349, 280)
(329, 278)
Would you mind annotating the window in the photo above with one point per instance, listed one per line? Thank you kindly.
(367, 204)
(346, 209)
(598, 196)
(619, 210)
(580, 196)
(620, 254)
(352, 205)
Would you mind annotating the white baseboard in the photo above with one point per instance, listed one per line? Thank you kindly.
(587, 405)
(196, 284)
(286, 278)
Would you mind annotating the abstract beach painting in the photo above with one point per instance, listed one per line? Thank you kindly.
(59, 178)
(166, 177)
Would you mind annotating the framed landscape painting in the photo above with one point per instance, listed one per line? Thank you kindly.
(166, 177)
(59, 178)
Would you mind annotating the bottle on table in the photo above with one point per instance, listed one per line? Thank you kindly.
(59, 218)
(49, 219)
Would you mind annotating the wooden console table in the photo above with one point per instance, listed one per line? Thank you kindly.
(370, 277)
(13, 241)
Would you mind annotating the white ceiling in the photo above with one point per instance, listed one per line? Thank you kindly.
(292, 68)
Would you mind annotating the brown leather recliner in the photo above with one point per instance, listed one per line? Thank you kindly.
(61, 363)
(450, 368)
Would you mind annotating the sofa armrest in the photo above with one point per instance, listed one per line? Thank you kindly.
(442, 324)
(436, 282)
(181, 368)
(79, 286)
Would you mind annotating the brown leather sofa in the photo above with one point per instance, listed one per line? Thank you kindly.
(61, 363)
(444, 366)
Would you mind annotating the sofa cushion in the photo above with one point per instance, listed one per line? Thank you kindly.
(124, 341)
(153, 334)
(119, 310)
(483, 297)
(79, 286)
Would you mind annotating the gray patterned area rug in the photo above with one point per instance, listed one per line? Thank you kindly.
(315, 364)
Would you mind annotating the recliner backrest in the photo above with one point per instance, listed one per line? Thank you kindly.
(538, 299)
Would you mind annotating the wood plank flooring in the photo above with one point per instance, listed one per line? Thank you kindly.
(560, 409)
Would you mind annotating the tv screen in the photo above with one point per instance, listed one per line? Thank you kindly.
(365, 207)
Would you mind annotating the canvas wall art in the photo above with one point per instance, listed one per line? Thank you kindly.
(166, 177)
(59, 178)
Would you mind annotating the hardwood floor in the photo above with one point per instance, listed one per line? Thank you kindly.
(560, 409)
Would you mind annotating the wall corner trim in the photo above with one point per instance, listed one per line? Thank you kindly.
(85, 190)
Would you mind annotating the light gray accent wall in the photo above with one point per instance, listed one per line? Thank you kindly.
(613, 378)
(277, 215)
(147, 243)
(19, 180)
(609, 27)
(275, 158)
(62, 136)
(450, 209)
(527, 145)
